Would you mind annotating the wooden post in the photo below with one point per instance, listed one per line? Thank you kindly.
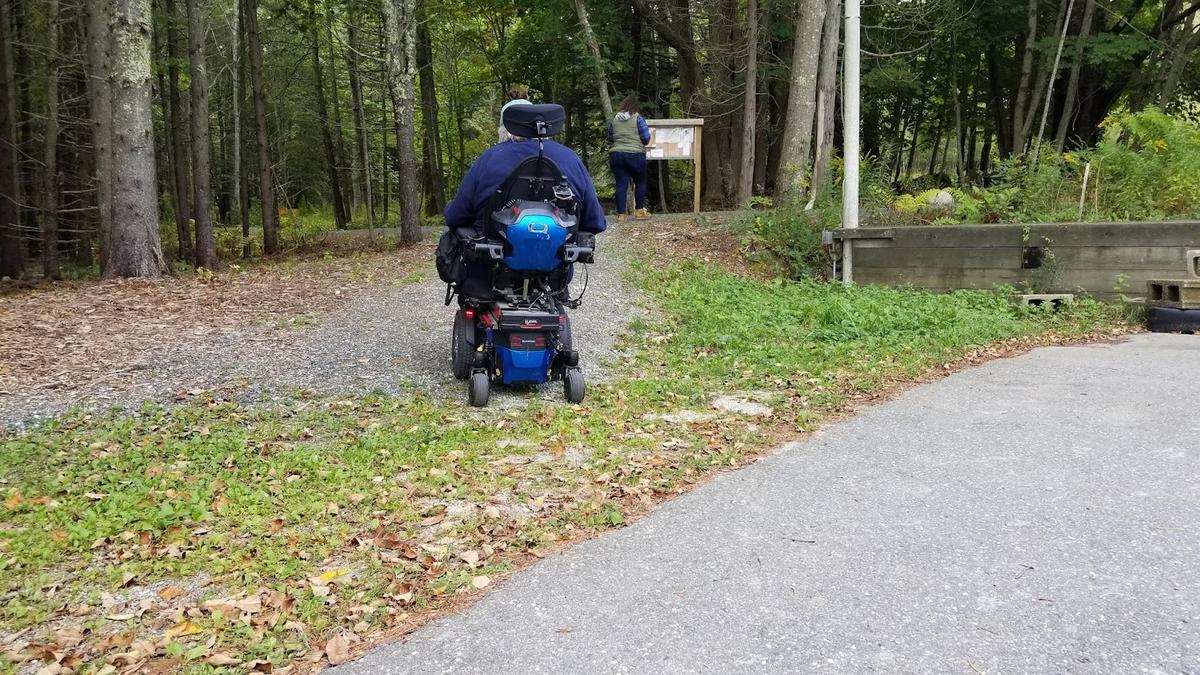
(698, 158)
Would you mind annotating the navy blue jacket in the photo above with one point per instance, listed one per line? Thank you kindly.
(472, 205)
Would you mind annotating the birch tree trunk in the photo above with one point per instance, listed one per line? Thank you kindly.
(399, 18)
(1071, 98)
(135, 249)
(589, 38)
(206, 247)
(749, 106)
(802, 103)
(266, 180)
(12, 252)
(827, 96)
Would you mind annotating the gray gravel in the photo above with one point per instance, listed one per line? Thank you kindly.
(382, 339)
(1034, 515)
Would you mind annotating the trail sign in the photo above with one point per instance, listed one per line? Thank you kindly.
(678, 139)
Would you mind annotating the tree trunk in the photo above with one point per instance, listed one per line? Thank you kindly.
(435, 180)
(180, 156)
(100, 109)
(363, 151)
(339, 143)
(237, 82)
(1023, 88)
(266, 180)
(996, 102)
(1181, 55)
(50, 263)
(958, 117)
(12, 252)
(1071, 98)
(135, 249)
(749, 105)
(399, 18)
(1062, 40)
(797, 135)
(335, 185)
(243, 167)
(589, 38)
(827, 95)
(206, 247)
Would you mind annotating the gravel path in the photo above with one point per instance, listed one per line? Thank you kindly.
(1033, 515)
(382, 339)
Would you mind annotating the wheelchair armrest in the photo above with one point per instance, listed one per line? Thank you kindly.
(582, 254)
(489, 249)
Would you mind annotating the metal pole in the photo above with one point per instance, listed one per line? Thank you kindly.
(851, 121)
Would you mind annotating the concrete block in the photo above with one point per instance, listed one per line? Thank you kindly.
(1193, 263)
(1055, 300)
(1173, 293)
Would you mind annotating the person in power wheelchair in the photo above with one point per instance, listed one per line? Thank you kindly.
(525, 213)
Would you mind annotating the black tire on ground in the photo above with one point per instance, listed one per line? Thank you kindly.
(573, 386)
(1166, 320)
(479, 389)
(564, 335)
(462, 348)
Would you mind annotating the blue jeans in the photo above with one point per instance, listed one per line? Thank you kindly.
(627, 166)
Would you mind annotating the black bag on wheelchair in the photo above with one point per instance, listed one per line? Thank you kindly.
(450, 258)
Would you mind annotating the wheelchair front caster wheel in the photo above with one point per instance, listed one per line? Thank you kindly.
(573, 385)
(479, 389)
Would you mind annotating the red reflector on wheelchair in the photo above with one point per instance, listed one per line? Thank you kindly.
(469, 313)
(527, 341)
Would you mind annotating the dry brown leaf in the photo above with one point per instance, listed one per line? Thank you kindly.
(337, 650)
(481, 582)
(222, 659)
(170, 593)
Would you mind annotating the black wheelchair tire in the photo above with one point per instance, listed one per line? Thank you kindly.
(479, 390)
(462, 349)
(574, 386)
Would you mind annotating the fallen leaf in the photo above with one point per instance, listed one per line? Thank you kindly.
(481, 582)
(14, 501)
(470, 557)
(183, 628)
(337, 650)
(120, 617)
(259, 666)
(222, 659)
(170, 593)
(275, 525)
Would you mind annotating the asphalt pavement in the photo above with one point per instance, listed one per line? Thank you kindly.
(1033, 515)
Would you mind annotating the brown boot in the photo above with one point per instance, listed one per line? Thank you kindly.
(642, 214)
(621, 218)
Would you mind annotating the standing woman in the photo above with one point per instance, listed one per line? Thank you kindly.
(629, 135)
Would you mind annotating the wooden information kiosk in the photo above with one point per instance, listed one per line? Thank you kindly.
(678, 139)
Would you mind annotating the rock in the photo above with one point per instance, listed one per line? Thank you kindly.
(943, 200)
(741, 406)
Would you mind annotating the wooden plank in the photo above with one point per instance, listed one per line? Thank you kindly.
(1183, 234)
(697, 167)
(958, 257)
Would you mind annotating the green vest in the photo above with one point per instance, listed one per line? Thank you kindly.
(626, 137)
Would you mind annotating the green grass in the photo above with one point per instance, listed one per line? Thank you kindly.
(419, 498)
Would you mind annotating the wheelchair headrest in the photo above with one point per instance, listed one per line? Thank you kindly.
(534, 121)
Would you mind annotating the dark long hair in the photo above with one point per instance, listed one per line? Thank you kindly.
(629, 104)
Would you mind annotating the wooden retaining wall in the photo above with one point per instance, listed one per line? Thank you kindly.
(1103, 259)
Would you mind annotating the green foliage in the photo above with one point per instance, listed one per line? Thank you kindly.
(787, 236)
(1147, 167)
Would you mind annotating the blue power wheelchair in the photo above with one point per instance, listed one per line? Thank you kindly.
(511, 280)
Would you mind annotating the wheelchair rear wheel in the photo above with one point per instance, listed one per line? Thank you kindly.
(462, 346)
